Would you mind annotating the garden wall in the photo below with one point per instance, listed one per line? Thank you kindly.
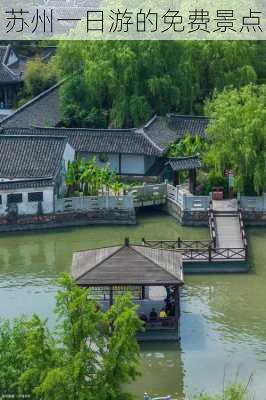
(186, 217)
(68, 219)
(254, 218)
(254, 209)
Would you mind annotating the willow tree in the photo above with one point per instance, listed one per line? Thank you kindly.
(117, 83)
(237, 136)
(85, 359)
(122, 83)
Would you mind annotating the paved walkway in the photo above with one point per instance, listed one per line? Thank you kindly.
(225, 205)
(227, 224)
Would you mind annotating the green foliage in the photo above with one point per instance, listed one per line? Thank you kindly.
(39, 76)
(89, 179)
(121, 83)
(188, 146)
(89, 357)
(237, 136)
(209, 180)
(117, 187)
(233, 392)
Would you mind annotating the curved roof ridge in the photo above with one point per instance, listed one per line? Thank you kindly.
(182, 158)
(150, 121)
(186, 116)
(97, 130)
(6, 52)
(16, 136)
(150, 140)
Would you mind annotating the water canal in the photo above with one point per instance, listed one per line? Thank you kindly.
(223, 323)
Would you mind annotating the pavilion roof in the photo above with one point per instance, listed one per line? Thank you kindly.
(127, 265)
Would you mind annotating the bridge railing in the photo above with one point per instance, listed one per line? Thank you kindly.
(145, 195)
(212, 225)
(186, 200)
(178, 244)
(242, 230)
(198, 250)
(221, 254)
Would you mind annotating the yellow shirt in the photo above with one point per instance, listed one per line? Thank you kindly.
(163, 314)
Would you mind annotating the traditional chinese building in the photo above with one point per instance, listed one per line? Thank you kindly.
(137, 152)
(128, 151)
(11, 78)
(32, 172)
(12, 69)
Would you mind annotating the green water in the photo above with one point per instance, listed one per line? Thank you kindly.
(223, 324)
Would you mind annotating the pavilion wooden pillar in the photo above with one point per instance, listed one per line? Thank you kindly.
(111, 296)
(176, 178)
(177, 302)
(192, 180)
(177, 308)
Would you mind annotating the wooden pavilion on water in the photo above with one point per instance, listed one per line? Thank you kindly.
(152, 275)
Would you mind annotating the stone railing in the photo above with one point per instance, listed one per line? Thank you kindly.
(186, 200)
(147, 195)
(90, 203)
(253, 203)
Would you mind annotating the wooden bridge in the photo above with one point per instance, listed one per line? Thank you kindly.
(227, 249)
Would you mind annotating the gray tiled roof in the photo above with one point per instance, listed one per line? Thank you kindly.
(126, 141)
(184, 163)
(157, 130)
(194, 125)
(30, 157)
(42, 110)
(3, 50)
(27, 183)
(166, 130)
(7, 75)
(3, 116)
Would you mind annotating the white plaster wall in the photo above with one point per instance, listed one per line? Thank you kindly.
(29, 207)
(113, 160)
(132, 164)
(12, 58)
(69, 155)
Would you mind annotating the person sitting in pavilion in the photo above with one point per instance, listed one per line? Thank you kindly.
(162, 313)
(143, 317)
(153, 315)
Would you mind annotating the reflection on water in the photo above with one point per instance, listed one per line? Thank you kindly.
(223, 325)
(162, 371)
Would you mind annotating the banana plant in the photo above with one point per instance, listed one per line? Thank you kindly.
(117, 188)
(70, 179)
